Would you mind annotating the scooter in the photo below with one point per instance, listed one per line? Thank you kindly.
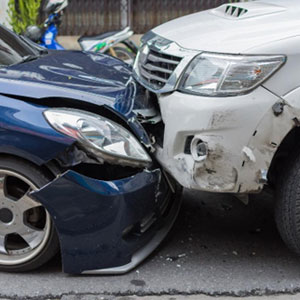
(103, 43)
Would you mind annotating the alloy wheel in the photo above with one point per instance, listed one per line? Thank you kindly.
(24, 223)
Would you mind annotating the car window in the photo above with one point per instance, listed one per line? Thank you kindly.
(12, 48)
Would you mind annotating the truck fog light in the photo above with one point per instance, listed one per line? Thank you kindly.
(199, 150)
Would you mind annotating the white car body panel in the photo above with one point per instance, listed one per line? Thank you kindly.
(227, 126)
(242, 133)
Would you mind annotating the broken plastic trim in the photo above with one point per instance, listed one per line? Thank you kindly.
(76, 159)
(73, 156)
(101, 210)
(144, 252)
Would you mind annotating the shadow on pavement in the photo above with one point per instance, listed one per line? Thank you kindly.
(217, 226)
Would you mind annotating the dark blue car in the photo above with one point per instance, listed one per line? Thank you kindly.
(76, 162)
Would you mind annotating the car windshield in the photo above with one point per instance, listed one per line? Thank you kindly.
(13, 50)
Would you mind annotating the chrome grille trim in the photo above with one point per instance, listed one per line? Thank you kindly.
(158, 67)
(152, 57)
(150, 76)
(155, 68)
(160, 63)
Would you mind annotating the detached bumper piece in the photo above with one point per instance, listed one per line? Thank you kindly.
(109, 227)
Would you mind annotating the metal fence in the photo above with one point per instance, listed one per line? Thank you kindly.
(147, 14)
(96, 16)
(90, 17)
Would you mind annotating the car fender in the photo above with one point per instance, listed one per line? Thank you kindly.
(277, 123)
(24, 132)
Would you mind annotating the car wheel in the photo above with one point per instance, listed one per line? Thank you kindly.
(287, 208)
(125, 55)
(27, 235)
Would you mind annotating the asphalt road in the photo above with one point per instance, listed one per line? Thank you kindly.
(218, 246)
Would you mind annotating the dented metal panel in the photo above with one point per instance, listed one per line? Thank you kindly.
(99, 222)
(269, 134)
(242, 136)
(25, 132)
(240, 133)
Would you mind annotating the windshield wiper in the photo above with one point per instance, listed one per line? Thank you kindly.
(25, 59)
(28, 58)
(33, 45)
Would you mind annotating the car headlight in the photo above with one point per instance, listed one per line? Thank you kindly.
(212, 74)
(101, 137)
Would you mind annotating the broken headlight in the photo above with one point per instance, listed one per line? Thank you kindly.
(212, 74)
(103, 138)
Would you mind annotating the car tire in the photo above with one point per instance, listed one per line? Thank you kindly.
(287, 207)
(28, 244)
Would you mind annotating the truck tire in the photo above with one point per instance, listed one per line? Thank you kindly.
(287, 207)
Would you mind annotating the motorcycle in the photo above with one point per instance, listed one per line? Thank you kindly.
(104, 43)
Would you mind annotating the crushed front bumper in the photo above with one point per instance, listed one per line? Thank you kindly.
(109, 227)
(241, 135)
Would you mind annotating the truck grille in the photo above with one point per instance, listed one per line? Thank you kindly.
(157, 68)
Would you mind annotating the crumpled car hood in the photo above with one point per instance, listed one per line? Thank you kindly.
(87, 77)
(72, 74)
(237, 28)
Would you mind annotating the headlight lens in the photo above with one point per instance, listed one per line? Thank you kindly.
(102, 137)
(228, 75)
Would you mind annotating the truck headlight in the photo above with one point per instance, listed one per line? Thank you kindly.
(101, 137)
(212, 74)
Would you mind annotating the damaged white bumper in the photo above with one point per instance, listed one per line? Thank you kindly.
(222, 144)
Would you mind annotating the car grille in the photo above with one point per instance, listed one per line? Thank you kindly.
(157, 68)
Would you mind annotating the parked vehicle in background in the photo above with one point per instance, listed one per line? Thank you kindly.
(77, 171)
(108, 42)
(227, 82)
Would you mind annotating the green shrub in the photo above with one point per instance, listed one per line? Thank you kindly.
(22, 13)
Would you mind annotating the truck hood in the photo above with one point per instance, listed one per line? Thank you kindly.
(235, 27)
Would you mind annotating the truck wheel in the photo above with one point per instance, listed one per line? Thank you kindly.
(27, 235)
(287, 208)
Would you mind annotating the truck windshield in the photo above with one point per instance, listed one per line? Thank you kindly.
(13, 50)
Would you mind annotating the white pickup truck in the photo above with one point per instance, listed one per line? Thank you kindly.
(227, 82)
